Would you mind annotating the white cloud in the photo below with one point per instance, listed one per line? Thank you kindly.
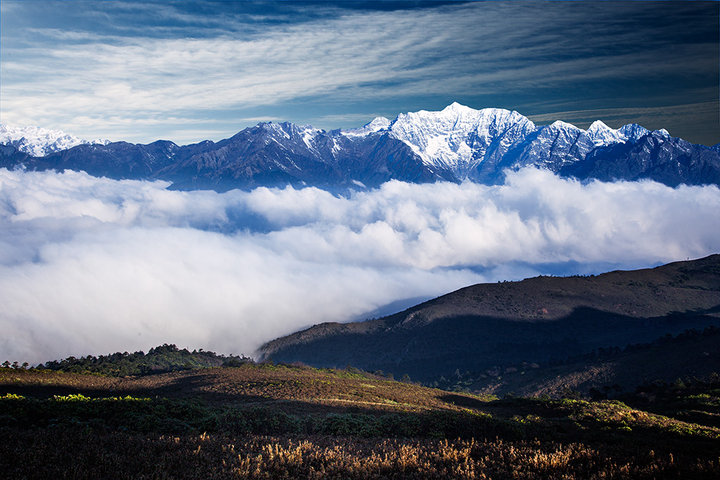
(91, 265)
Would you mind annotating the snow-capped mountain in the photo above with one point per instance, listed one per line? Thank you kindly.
(458, 138)
(39, 142)
(455, 144)
(656, 155)
(284, 153)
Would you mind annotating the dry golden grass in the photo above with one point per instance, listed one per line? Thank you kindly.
(274, 421)
(79, 454)
(245, 385)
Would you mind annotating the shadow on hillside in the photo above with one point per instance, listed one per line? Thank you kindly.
(480, 343)
(181, 387)
(466, 402)
(192, 408)
(48, 391)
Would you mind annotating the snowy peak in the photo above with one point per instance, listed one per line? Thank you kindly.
(598, 133)
(458, 109)
(560, 125)
(378, 124)
(39, 142)
(285, 131)
(601, 134)
(458, 117)
(458, 137)
(560, 144)
(599, 127)
(633, 131)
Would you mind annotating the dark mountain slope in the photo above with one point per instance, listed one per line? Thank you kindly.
(119, 160)
(655, 156)
(11, 157)
(609, 372)
(537, 320)
(272, 154)
(269, 154)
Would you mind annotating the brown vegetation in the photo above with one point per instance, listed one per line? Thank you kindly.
(278, 421)
(78, 454)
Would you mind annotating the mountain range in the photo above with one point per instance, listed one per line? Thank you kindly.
(456, 144)
(487, 329)
(39, 142)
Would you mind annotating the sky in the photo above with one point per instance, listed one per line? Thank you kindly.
(187, 71)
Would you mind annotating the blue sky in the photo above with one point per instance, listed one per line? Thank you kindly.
(186, 71)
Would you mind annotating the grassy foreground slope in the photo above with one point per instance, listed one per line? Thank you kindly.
(278, 421)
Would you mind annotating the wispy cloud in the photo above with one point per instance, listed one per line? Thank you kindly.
(91, 265)
(484, 49)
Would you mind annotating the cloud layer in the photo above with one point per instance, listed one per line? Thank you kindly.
(90, 265)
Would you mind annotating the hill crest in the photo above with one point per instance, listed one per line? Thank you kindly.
(534, 320)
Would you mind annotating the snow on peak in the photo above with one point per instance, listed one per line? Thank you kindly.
(283, 128)
(598, 126)
(378, 124)
(457, 107)
(309, 133)
(601, 134)
(39, 142)
(633, 131)
(458, 137)
(560, 125)
(283, 131)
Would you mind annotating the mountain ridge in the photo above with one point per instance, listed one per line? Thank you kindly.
(535, 320)
(455, 144)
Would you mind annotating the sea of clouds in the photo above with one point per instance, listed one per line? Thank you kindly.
(92, 265)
